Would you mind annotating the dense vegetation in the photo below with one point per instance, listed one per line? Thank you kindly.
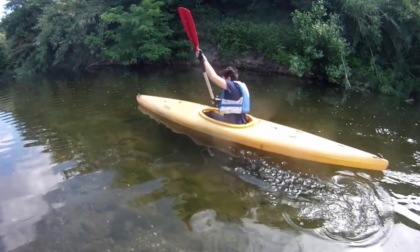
(373, 45)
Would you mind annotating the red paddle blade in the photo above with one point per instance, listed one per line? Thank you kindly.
(189, 26)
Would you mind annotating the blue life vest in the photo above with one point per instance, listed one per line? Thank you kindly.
(240, 106)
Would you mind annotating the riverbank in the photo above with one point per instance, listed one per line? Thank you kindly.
(253, 62)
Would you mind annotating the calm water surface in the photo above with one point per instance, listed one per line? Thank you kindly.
(82, 169)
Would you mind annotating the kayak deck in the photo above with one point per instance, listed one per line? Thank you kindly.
(262, 135)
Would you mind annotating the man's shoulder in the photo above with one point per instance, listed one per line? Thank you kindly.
(232, 85)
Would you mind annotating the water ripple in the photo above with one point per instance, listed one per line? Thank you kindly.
(26, 176)
(349, 208)
(6, 117)
(398, 178)
(6, 138)
(353, 212)
(416, 156)
(5, 99)
(407, 206)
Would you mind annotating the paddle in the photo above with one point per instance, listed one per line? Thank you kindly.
(189, 26)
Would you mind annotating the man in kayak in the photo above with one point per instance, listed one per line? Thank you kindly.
(234, 102)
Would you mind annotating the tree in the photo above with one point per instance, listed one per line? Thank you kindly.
(3, 53)
(139, 34)
(385, 35)
(322, 48)
(69, 33)
(20, 29)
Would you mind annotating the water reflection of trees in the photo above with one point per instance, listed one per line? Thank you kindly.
(87, 118)
(98, 125)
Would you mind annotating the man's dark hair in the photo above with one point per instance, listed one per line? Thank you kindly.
(230, 72)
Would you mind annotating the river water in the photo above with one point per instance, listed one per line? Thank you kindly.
(82, 169)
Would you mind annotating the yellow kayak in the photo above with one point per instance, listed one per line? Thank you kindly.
(260, 134)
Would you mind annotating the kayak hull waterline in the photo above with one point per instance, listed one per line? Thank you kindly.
(261, 134)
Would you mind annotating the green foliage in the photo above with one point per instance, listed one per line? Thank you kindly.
(385, 35)
(364, 20)
(321, 46)
(245, 37)
(300, 65)
(3, 53)
(377, 39)
(65, 29)
(303, 5)
(139, 34)
(20, 29)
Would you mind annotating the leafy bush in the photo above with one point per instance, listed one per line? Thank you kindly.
(321, 46)
(245, 37)
(3, 53)
(140, 34)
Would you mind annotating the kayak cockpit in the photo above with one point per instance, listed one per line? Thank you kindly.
(205, 114)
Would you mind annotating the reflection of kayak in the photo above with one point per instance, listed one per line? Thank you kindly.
(259, 134)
